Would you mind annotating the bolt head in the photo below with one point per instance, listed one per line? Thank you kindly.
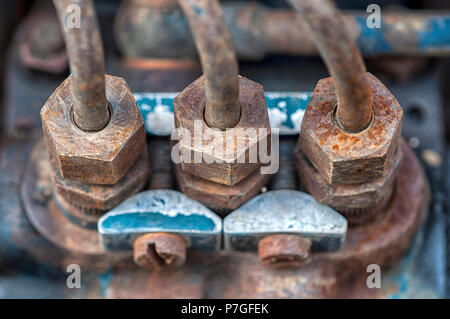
(357, 202)
(101, 198)
(102, 157)
(217, 163)
(350, 158)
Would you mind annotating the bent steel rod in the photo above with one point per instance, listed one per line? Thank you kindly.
(343, 59)
(85, 49)
(218, 60)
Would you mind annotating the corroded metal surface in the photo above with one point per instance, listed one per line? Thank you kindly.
(285, 111)
(328, 275)
(143, 29)
(160, 211)
(220, 198)
(284, 251)
(161, 167)
(346, 158)
(92, 199)
(257, 31)
(284, 212)
(159, 250)
(102, 157)
(357, 202)
(225, 165)
(85, 49)
(327, 27)
(241, 274)
(219, 63)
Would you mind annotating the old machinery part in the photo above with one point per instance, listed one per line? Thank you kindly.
(217, 101)
(151, 30)
(158, 226)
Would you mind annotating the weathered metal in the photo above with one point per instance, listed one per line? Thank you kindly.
(102, 157)
(284, 251)
(284, 226)
(286, 176)
(221, 198)
(160, 211)
(344, 62)
(359, 203)
(159, 226)
(284, 212)
(219, 63)
(84, 46)
(346, 158)
(146, 31)
(65, 241)
(161, 167)
(285, 111)
(159, 251)
(211, 157)
(241, 275)
(224, 157)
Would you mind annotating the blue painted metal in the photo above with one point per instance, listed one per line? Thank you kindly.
(425, 34)
(160, 211)
(285, 111)
(435, 34)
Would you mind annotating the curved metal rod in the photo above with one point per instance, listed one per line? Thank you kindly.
(85, 49)
(343, 59)
(218, 60)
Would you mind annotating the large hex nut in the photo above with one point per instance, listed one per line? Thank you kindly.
(357, 202)
(96, 199)
(220, 198)
(344, 158)
(346, 196)
(217, 164)
(102, 157)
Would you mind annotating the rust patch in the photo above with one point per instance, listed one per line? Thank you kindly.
(350, 158)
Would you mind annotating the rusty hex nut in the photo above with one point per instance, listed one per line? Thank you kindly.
(355, 201)
(97, 199)
(102, 157)
(350, 158)
(220, 198)
(217, 164)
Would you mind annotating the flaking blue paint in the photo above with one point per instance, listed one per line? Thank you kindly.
(435, 35)
(431, 34)
(157, 110)
(155, 220)
(372, 41)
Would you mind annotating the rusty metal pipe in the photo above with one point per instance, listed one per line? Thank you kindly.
(256, 30)
(218, 60)
(327, 26)
(84, 46)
